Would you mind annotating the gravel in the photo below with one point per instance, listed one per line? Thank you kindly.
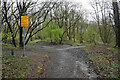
(68, 62)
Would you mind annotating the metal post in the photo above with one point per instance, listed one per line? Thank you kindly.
(24, 40)
(24, 43)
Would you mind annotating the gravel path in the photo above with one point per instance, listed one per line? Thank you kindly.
(68, 62)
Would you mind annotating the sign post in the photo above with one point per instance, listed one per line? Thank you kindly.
(24, 23)
(24, 43)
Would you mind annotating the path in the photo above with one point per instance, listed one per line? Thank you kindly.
(68, 62)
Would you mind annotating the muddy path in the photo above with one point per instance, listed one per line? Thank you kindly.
(67, 62)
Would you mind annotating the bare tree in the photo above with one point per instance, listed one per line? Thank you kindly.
(12, 11)
(66, 17)
(103, 18)
(117, 22)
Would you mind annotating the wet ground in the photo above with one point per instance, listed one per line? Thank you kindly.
(67, 62)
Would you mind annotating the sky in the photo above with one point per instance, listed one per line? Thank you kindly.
(85, 3)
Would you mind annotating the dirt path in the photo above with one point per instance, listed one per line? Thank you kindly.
(68, 62)
(64, 61)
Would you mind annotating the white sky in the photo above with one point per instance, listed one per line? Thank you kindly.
(85, 3)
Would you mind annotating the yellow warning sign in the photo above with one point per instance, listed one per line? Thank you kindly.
(24, 21)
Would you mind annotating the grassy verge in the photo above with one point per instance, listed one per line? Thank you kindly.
(105, 60)
(15, 67)
(34, 41)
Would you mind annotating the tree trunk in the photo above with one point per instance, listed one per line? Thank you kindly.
(31, 38)
(61, 38)
(21, 38)
(117, 23)
(13, 40)
(69, 37)
(9, 26)
(81, 39)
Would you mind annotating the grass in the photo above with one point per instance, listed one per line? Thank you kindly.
(34, 41)
(104, 60)
(66, 43)
(62, 45)
(15, 67)
(72, 43)
(31, 47)
(10, 46)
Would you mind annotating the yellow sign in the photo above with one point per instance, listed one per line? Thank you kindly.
(24, 21)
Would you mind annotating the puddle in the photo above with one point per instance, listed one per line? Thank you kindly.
(84, 68)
